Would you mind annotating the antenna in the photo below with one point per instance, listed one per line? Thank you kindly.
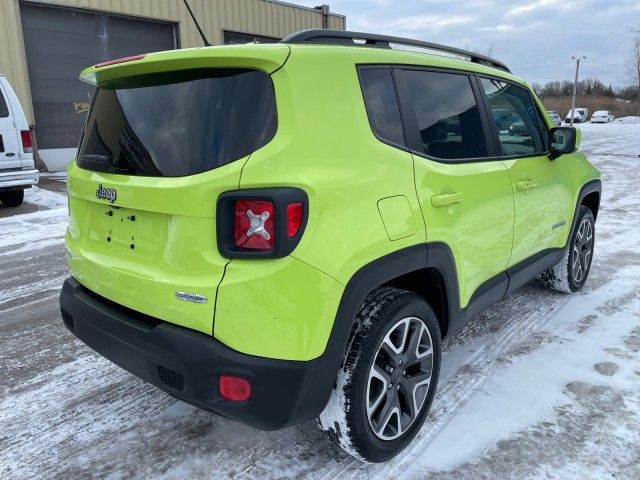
(193, 17)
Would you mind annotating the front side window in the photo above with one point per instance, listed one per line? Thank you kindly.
(447, 114)
(178, 124)
(516, 118)
(382, 104)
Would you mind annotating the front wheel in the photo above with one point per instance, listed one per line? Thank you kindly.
(571, 273)
(385, 388)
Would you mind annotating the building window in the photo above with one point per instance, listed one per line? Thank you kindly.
(230, 38)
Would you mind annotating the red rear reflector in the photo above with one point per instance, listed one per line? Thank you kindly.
(253, 224)
(294, 218)
(25, 136)
(120, 60)
(234, 388)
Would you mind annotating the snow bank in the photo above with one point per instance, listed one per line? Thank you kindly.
(32, 230)
(23, 232)
(630, 119)
(45, 198)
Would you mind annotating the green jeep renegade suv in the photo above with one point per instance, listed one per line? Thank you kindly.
(279, 233)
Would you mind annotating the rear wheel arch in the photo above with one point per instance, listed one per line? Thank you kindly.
(428, 283)
(406, 267)
(427, 270)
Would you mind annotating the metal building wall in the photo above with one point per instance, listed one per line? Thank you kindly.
(261, 17)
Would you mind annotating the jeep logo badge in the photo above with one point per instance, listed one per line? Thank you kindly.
(106, 193)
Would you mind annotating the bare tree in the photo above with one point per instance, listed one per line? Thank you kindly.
(487, 53)
(633, 65)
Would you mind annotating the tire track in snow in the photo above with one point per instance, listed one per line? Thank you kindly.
(31, 274)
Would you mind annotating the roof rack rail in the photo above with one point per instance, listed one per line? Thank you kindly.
(345, 37)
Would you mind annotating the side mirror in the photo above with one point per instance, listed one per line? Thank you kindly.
(563, 140)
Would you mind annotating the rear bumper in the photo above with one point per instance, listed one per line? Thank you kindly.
(186, 364)
(18, 178)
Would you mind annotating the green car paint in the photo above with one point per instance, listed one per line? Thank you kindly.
(478, 229)
(366, 199)
(170, 246)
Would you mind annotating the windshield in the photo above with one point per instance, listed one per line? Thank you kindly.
(180, 123)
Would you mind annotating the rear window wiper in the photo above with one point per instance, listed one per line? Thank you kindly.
(95, 158)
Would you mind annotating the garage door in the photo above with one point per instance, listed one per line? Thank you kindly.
(59, 43)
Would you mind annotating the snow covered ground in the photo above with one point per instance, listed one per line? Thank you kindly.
(542, 385)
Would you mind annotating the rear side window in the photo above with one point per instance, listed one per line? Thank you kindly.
(178, 124)
(516, 118)
(382, 104)
(447, 114)
(4, 108)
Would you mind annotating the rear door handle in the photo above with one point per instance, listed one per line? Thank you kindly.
(446, 199)
(524, 185)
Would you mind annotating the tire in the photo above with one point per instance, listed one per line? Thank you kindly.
(570, 274)
(12, 199)
(371, 414)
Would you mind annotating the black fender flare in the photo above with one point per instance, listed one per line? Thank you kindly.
(363, 281)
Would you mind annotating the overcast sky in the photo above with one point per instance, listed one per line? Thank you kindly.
(535, 38)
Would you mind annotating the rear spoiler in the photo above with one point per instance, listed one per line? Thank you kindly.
(265, 57)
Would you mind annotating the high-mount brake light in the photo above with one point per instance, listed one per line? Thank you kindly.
(119, 60)
(27, 145)
(254, 224)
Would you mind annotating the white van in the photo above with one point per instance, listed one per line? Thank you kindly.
(17, 170)
(580, 115)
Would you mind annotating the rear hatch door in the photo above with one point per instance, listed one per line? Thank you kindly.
(160, 145)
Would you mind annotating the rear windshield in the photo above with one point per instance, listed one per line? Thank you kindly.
(178, 124)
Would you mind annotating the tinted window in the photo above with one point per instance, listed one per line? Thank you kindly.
(516, 117)
(382, 104)
(4, 109)
(178, 124)
(447, 113)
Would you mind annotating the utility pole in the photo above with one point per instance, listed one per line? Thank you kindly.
(575, 85)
